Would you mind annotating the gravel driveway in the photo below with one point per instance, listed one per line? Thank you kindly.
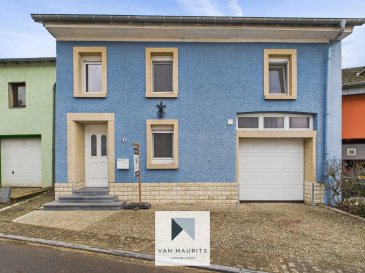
(260, 235)
(269, 237)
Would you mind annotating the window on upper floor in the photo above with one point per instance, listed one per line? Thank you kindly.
(90, 72)
(277, 121)
(162, 144)
(17, 95)
(161, 72)
(280, 74)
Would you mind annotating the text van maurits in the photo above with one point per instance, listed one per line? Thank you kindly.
(182, 250)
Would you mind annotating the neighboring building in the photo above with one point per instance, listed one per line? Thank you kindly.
(353, 115)
(26, 121)
(245, 105)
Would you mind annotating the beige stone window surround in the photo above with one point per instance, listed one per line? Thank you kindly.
(153, 163)
(289, 56)
(79, 53)
(162, 52)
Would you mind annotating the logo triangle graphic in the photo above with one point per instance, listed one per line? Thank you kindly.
(180, 224)
(175, 229)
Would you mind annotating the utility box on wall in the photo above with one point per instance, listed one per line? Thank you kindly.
(5, 193)
(123, 164)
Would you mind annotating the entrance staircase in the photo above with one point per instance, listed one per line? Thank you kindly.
(87, 198)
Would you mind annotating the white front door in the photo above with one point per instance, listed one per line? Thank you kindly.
(96, 156)
(271, 169)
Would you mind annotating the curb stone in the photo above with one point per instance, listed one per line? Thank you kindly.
(120, 253)
(345, 213)
(20, 203)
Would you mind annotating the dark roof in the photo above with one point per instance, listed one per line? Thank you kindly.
(353, 76)
(153, 19)
(28, 60)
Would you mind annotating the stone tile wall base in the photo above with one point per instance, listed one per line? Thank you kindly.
(62, 189)
(186, 193)
(318, 193)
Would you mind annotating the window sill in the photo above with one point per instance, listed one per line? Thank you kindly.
(18, 107)
(90, 95)
(152, 166)
(280, 97)
(161, 95)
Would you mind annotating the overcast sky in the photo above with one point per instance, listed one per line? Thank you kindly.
(21, 37)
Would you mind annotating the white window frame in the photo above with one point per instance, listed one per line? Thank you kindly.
(162, 130)
(351, 149)
(90, 60)
(280, 61)
(286, 117)
(263, 122)
(157, 58)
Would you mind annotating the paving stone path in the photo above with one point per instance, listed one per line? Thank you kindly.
(254, 261)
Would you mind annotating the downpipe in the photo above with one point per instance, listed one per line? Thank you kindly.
(342, 26)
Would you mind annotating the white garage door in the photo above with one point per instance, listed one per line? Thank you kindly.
(271, 169)
(21, 162)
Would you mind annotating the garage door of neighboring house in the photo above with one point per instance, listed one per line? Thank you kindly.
(271, 169)
(21, 162)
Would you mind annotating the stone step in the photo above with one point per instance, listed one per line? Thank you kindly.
(91, 191)
(56, 205)
(87, 199)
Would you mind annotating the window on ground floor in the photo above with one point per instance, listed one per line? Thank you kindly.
(162, 144)
(277, 121)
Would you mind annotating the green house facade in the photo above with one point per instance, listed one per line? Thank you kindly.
(27, 89)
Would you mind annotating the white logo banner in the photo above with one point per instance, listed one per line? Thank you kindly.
(182, 238)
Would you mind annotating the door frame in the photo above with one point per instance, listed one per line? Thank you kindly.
(76, 145)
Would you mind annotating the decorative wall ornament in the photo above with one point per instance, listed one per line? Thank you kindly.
(161, 111)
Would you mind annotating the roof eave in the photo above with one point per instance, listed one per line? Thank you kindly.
(83, 27)
(353, 84)
(153, 19)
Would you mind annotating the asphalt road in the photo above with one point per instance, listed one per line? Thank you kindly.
(19, 257)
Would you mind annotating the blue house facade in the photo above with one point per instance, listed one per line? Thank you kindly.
(244, 102)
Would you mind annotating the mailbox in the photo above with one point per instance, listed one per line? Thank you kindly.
(123, 164)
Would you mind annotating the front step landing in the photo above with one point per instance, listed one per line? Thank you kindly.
(86, 199)
(90, 191)
(95, 198)
(55, 205)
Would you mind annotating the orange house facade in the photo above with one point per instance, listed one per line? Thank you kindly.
(353, 114)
